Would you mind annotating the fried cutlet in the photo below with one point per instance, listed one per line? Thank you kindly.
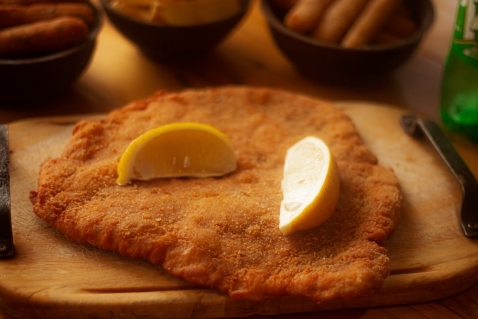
(223, 232)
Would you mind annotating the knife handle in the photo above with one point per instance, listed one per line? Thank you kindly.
(7, 249)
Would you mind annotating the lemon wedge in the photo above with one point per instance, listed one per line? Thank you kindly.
(177, 150)
(310, 185)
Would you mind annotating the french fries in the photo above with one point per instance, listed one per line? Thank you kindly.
(304, 15)
(338, 19)
(350, 23)
(42, 37)
(369, 23)
(35, 29)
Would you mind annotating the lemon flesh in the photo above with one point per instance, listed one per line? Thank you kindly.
(310, 186)
(177, 150)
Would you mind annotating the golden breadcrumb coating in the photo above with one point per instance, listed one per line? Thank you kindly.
(223, 232)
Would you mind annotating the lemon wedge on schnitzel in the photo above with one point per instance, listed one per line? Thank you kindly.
(310, 185)
(177, 150)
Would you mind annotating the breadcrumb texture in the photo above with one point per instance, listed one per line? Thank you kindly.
(223, 232)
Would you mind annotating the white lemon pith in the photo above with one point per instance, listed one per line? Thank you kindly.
(177, 150)
(310, 186)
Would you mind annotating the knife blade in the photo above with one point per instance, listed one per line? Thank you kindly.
(469, 185)
(7, 249)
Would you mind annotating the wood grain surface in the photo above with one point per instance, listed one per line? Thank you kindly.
(52, 277)
(119, 74)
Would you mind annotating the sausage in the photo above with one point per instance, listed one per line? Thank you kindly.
(42, 37)
(30, 2)
(14, 15)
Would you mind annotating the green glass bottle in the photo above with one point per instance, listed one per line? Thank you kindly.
(459, 91)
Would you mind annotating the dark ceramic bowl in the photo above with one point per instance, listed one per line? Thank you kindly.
(163, 42)
(29, 80)
(333, 62)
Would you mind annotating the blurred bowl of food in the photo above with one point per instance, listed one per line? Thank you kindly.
(175, 29)
(334, 44)
(61, 41)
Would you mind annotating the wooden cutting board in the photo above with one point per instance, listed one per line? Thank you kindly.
(51, 277)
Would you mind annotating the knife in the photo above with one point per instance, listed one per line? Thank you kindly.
(469, 185)
(7, 249)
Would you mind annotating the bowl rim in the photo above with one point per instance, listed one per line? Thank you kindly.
(107, 7)
(274, 22)
(44, 58)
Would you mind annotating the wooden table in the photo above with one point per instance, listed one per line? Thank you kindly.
(119, 73)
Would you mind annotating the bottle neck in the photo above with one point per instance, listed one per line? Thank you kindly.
(460, 22)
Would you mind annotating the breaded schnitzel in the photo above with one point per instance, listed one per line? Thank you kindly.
(223, 232)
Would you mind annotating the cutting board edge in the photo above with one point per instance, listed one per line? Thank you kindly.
(67, 120)
(208, 303)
